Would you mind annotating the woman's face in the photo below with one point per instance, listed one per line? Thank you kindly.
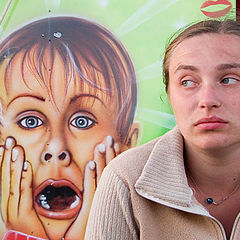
(58, 131)
(204, 90)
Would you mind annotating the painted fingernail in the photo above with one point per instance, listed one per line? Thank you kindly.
(109, 140)
(14, 154)
(25, 166)
(116, 147)
(1, 151)
(9, 143)
(92, 165)
(101, 148)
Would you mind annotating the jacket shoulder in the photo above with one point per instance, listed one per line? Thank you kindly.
(129, 164)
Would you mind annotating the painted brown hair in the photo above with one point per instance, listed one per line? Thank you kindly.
(86, 49)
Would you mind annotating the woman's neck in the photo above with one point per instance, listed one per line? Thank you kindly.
(217, 170)
(215, 175)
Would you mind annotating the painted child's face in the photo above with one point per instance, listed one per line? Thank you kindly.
(59, 131)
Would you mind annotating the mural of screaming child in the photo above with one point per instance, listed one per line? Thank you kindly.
(68, 99)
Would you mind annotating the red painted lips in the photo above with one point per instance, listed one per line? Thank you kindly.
(219, 13)
(58, 199)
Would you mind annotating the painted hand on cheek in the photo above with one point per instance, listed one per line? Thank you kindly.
(17, 208)
(16, 192)
(103, 154)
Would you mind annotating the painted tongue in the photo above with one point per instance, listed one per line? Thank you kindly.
(57, 198)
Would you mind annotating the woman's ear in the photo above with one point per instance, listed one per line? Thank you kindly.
(133, 135)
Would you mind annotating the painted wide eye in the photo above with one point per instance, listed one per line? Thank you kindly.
(82, 122)
(30, 122)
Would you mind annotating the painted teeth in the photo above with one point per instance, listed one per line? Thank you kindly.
(42, 197)
(76, 202)
(43, 201)
(44, 204)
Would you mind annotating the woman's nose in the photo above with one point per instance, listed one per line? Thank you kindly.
(208, 97)
(55, 151)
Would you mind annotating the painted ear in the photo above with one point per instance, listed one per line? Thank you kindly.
(133, 135)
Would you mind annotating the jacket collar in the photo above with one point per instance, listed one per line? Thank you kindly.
(163, 178)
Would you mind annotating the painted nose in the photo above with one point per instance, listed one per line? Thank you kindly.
(62, 156)
(208, 98)
(55, 151)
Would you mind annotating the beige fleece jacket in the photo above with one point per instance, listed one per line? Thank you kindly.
(144, 194)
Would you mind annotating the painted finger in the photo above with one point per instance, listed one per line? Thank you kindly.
(15, 183)
(89, 190)
(100, 159)
(26, 197)
(1, 155)
(5, 176)
(116, 147)
(89, 186)
(26, 208)
(110, 151)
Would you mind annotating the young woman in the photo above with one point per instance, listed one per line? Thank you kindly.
(185, 184)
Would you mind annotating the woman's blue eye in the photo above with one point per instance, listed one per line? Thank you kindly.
(82, 122)
(30, 122)
(188, 83)
(229, 80)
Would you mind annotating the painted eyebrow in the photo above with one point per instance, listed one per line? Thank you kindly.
(186, 67)
(75, 98)
(26, 95)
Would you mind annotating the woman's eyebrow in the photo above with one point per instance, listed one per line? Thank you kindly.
(219, 67)
(75, 98)
(24, 96)
(186, 67)
(228, 66)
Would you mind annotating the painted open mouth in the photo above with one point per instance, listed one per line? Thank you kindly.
(59, 199)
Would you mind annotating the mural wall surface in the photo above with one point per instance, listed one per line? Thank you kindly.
(80, 82)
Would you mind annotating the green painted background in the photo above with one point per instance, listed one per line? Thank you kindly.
(144, 26)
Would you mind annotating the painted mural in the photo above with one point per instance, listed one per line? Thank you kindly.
(76, 91)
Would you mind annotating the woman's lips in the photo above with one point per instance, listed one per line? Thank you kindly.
(219, 13)
(58, 199)
(210, 123)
